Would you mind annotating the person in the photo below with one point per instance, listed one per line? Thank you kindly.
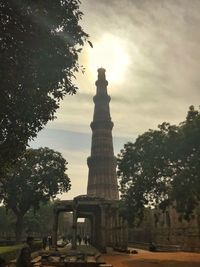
(50, 241)
(24, 258)
(85, 240)
(79, 240)
(88, 239)
(152, 247)
(44, 242)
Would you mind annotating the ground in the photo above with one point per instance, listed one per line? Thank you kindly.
(153, 259)
(144, 258)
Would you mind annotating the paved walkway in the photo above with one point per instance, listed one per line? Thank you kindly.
(144, 258)
(153, 259)
(81, 248)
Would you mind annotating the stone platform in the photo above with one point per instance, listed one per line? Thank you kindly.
(85, 256)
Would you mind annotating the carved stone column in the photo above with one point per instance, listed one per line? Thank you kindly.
(125, 233)
(55, 230)
(115, 229)
(121, 232)
(109, 229)
(103, 228)
(74, 229)
(118, 228)
(92, 225)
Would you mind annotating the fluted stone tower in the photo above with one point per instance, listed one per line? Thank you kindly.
(102, 179)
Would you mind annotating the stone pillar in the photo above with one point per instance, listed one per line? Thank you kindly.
(92, 238)
(125, 233)
(109, 229)
(117, 228)
(103, 228)
(55, 230)
(121, 232)
(112, 231)
(74, 229)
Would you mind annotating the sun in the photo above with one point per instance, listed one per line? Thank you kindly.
(109, 53)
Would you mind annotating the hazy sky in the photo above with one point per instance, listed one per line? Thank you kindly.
(151, 52)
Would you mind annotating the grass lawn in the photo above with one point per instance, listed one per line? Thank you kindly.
(6, 249)
(10, 252)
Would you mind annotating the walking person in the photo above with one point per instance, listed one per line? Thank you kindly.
(50, 241)
(44, 242)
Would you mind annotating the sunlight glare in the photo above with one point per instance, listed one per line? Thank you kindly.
(110, 54)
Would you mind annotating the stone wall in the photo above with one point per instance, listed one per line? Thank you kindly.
(166, 229)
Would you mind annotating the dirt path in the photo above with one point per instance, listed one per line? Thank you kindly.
(153, 259)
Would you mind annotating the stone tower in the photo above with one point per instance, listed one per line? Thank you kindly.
(102, 178)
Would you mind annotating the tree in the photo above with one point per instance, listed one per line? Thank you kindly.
(38, 176)
(35, 222)
(143, 172)
(162, 168)
(186, 181)
(6, 223)
(40, 221)
(39, 46)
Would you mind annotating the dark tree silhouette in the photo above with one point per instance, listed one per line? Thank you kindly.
(39, 45)
(162, 168)
(38, 176)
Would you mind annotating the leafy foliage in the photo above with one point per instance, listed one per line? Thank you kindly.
(186, 182)
(161, 168)
(40, 221)
(39, 46)
(38, 176)
(6, 223)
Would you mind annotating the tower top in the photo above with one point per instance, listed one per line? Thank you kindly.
(101, 80)
(101, 74)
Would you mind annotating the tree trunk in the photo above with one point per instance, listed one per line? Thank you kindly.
(19, 228)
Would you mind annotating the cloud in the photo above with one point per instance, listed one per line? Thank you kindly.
(163, 42)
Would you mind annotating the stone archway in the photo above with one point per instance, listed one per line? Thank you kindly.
(107, 227)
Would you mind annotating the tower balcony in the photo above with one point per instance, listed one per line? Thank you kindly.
(102, 160)
(95, 125)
